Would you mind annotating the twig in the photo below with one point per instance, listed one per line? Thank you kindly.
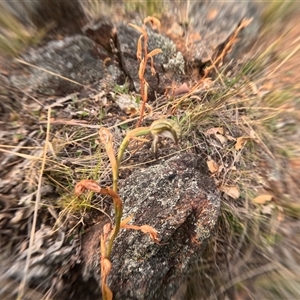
(47, 71)
(16, 149)
(60, 101)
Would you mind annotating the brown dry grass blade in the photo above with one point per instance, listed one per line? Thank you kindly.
(86, 184)
(154, 22)
(151, 231)
(144, 228)
(106, 292)
(150, 55)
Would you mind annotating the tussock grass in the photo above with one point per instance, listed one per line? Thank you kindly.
(252, 254)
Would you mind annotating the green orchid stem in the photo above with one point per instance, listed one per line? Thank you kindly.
(131, 134)
(107, 139)
(164, 127)
(115, 181)
(117, 207)
(114, 192)
(118, 215)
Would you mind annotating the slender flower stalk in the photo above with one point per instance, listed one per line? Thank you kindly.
(165, 128)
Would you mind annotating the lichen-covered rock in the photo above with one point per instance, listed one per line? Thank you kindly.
(169, 65)
(215, 22)
(180, 200)
(76, 58)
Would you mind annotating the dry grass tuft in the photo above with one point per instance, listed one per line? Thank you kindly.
(248, 128)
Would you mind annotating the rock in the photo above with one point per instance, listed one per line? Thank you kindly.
(169, 65)
(77, 58)
(102, 32)
(180, 200)
(215, 22)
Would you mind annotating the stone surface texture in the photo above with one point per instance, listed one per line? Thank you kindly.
(76, 58)
(180, 200)
(169, 65)
(216, 21)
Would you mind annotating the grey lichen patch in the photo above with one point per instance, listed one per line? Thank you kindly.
(170, 58)
(176, 64)
(76, 58)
